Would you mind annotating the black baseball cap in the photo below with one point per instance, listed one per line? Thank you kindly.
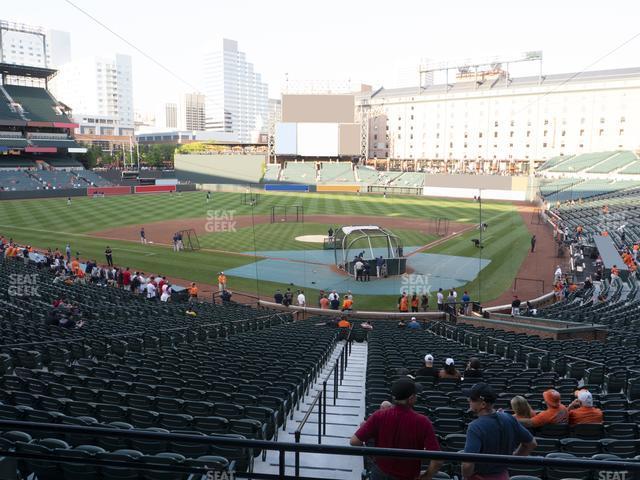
(481, 391)
(404, 387)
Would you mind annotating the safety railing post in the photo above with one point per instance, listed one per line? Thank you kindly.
(297, 460)
(335, 383)
(281, 464)
(319, 419)
(324, 403)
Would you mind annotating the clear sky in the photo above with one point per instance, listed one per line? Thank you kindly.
(343, 40)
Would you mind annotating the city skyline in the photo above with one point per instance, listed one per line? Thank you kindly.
(340, 42)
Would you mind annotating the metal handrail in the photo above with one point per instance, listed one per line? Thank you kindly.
(283, 447)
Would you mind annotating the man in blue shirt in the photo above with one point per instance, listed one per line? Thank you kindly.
(466, 299)
(413, 324)
(495, 433)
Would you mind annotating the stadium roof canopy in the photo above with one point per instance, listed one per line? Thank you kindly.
(26, 71)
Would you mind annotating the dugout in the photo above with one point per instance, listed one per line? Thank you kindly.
(610, 256)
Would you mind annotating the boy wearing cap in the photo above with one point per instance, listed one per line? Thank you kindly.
(494, 433)
(556, 413)
(581, 410)
(399, 427)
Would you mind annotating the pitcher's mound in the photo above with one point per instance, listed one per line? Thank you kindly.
(311, 238)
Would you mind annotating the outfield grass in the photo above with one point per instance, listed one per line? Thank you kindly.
(51, 223)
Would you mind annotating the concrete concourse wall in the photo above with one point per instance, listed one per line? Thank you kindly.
(208, 169)
(493, 187)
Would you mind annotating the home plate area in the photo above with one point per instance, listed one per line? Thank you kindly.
(316, 269)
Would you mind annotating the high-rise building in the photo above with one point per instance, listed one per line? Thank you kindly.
(192, 112)
(171, 115)
(35, 46)
(98, 86)
(236, 97)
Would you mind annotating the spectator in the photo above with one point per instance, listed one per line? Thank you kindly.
(474, 368)
(424, 302)
(521, 408)
(288, 298)
(515, 306)
(166, 293)
(344, 323)
(451, 303)
(347, 304)
(428, 370)
(449, 370)
(555, 414)
(151, 290)
(334, 300)
(415, 303)
(403, 303)
(108, 253)
(324, 302)
(226, 296)
(414, 324)
(581, 410)
(222, 281)
(302, 300)
(440, 300)
(493, 433)
(402, 323)
(193, 292)
(466, 303)
(400, 427)
(278, 297)
(366, 325)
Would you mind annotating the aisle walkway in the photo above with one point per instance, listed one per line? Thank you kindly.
(342, 421)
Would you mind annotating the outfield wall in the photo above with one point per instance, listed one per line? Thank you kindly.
(208, 169)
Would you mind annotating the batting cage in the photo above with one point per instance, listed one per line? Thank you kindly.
(189, 239)
(287, 213)
(367, 243)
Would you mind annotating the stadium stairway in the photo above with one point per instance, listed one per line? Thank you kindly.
(343, 420)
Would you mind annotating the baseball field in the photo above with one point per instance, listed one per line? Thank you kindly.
(236, 237)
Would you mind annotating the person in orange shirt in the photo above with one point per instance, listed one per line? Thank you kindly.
(556, 413)
(75, 266)
(347, 304)
(193, 292)
(344, 323)
(324, 302)
(581, 410)
(222, 281)
(403, 303)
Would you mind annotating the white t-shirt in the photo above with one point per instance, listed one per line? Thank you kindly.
(301, 300)
(440, 297)
(334, 296)
(165, 295)
(151, 290)
(359, 265)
